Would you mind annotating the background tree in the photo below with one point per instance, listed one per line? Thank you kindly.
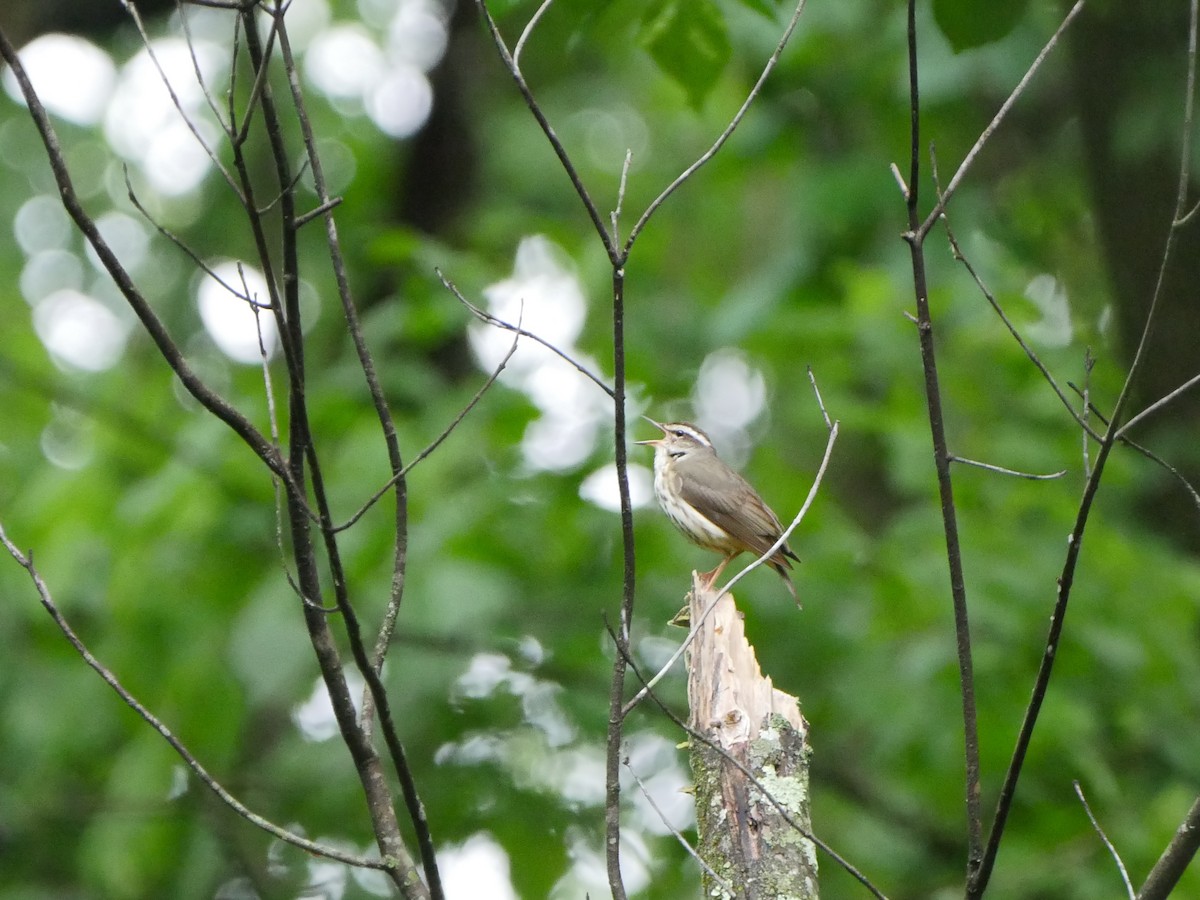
(157, 534)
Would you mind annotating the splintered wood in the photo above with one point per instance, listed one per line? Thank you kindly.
(751, 829)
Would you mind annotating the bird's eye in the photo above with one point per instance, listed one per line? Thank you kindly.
(679, 432)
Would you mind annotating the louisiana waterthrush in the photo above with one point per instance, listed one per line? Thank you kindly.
(712, 504)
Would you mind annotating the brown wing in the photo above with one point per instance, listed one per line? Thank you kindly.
(730, 503)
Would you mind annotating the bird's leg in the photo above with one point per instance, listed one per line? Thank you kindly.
(709, 579)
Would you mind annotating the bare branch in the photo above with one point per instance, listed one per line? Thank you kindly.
(956, 249)
(683, 842)
(1149, 454)
(941, 461)
(235, 5)
(987, 133)
(317, 212)
(723, 137)
(1104, 837)
(262, 70)
(528, 32)
(1175, 858)
(131, 8)
(488, 318)
(895, 170)
(977, 884)
(437, 442)
(1189, 215)
(616, 213)
(157, 331)
(812, 379)
(26, 562)
(1000, 470)
(616, 691)
(1189, 113)
(1159, 404)
(1089, 363)
(559, 150)
(416, 808)
(178, 242)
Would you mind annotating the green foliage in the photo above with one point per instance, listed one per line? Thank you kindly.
(689, 42)
(969, 23)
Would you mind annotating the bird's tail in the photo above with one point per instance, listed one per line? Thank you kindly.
(783, 573)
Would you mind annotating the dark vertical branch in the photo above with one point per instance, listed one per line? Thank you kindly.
(612, 807)
(941, 461)
(618, 258)
(1175, 859)
(303, 450)
(976, 886)
(302, 454)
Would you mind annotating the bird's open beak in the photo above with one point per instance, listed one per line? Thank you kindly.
(656, 441)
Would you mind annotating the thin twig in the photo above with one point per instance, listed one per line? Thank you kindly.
(317, 212)
(131, 9)
(787, 532)
(812, 379)
(1159, 404)
(303, 455)
(1189, 112)
(26, 562)
(956, 249)
(1000, 470)
(683, 842)
(1175, 859)
(1191, 214)
(187, 36)
(234, 5)
(288, 192)
(724, 135)
(987, 133)
(528, 32)
(559, 151)
(437, 442)
(1147, 452)
(895, 170)
(1104, 837)
(262, 71)
(616, 690)
(489, 319)
(367, 669)
(191, 254)
(621, 185)
(1089, 362)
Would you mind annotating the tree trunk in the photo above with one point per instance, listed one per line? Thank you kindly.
(747, 840)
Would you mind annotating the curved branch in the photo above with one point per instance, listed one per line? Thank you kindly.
(206, 396)
(986, 134)
(724, 135)
(25, 561)
(559, 150)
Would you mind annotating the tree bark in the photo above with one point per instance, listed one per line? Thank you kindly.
(745, 835)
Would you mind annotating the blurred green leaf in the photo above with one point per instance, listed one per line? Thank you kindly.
(689, 41)
(967, 24)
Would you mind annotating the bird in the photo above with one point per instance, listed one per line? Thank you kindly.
(712, 504)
